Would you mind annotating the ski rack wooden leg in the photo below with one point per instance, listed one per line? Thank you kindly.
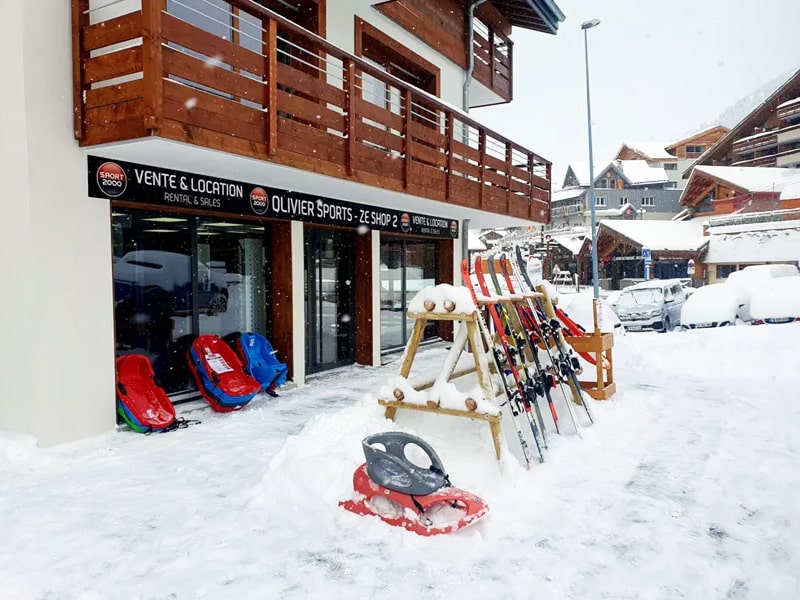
(468, 334)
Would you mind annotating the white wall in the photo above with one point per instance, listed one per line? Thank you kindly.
(58, 382)
(341, 31)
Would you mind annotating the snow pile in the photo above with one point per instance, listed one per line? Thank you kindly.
(442, 299)
(686, 486)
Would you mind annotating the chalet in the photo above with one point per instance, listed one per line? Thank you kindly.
(675, 157)
(297, 169)
(620, 245)
(624, 189)
(767, 137)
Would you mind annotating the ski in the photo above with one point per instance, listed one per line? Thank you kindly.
(520, 335)
(566, 363)
(511, 352)
(546, 381)
(513, 399)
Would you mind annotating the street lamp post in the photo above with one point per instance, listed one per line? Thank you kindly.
(595, 272)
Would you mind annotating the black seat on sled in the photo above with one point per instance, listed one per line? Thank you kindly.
(391, 469)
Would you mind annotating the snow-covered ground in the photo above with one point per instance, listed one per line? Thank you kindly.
(687, 486)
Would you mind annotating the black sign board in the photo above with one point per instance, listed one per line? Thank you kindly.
(131, 182)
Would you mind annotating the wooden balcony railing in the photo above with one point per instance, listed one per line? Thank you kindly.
(285, 95)
(493, 54)
(756, 142)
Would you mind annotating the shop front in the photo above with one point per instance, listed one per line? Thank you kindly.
(195, 255)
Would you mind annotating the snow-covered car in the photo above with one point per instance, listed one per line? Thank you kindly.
(157, 279)
(749, 279)
(714, 305)
(654, 304)
(776, 301)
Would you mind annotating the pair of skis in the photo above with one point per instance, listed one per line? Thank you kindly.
(521, 326)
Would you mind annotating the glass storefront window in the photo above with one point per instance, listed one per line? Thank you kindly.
(176, 277)
(406, 268)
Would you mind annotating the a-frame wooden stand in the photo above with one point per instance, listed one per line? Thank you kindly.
(468, 335)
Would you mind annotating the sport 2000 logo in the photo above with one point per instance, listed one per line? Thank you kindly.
(111, 179)
(259, 201)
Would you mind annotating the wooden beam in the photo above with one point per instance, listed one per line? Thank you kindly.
(271, 34)
(80, 19)
(152, 65)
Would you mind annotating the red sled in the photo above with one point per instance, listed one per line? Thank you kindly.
(402, 494)
(219, 374)
(141, 402)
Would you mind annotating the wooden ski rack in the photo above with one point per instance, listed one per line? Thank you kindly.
(467, 336)
(597, 343)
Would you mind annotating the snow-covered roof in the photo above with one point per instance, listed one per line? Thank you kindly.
(789, 102)
(638, 172)
(757, 179)
(567, 193)
(581, 169)
(661, 235)
(766, 245)
(571, 242)
(653, 150)
(474, 243)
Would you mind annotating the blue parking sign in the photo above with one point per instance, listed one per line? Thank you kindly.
(645, 252)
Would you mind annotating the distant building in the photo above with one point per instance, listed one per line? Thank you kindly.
(624, 189)
(674, 157)
(767, 137)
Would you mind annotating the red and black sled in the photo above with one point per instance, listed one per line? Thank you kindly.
(400, 493)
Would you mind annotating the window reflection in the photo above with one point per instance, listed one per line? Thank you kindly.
(405, 269)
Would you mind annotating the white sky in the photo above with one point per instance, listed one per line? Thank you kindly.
(658, 70)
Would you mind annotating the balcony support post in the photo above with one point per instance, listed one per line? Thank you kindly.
(271, 55)
(350, 115)
(481, 165)
(509, 154)
(449, 123)
(80, 19)
(530, 186)
(152, 64)
(406, 138)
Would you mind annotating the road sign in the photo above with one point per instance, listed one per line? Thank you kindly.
(645, 253)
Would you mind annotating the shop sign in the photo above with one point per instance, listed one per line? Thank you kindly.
(119, 180)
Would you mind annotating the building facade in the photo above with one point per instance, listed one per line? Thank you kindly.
(296, 169)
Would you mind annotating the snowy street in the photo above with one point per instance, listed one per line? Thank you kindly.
(686, 486)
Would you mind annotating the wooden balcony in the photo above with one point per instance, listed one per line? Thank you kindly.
(291, 98)
(493, 60)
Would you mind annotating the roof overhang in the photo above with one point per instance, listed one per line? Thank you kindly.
(537, 15)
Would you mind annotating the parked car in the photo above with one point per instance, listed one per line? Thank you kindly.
(776, 301)
(749, 279)
(157, 278)
(654, 304)
(714, 305)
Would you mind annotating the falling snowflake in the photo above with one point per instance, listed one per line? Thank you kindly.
(346, 318)
(214, 61)
(190, 103)
(362, 229)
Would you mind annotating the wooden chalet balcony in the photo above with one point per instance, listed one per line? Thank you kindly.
(285, 95)
(755, 143)
(493, 60)
(789, 110)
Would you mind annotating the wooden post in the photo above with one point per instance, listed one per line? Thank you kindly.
(530, 186)
(272, 86)
(481, 165)
(152, 64)
(80, 19)
(350, 116)
(449, 122)
(509, 155)
(406, 138)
